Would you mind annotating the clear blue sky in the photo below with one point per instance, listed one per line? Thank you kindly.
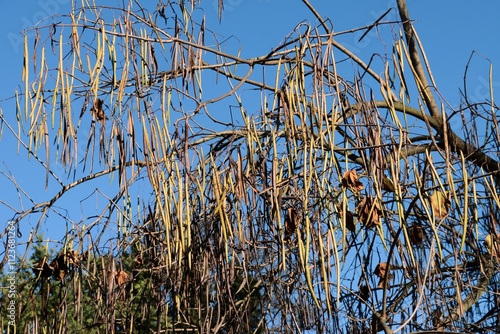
(449, 30)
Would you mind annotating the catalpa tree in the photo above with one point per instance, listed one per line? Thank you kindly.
(304, 189)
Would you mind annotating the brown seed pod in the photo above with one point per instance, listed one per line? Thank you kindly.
(291, 223)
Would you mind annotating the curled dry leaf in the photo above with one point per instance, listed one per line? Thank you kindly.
(121, 277)
(382, 280)
(73, 257)
(380, 271)
(349, 221)
(364, 292)
(291, 221)
(42, 269)
(350, 180)
(416, 234)
(369, 212)
(349, 218)
(440, 204)
(97, 110)
(63, 262)
(60, 266)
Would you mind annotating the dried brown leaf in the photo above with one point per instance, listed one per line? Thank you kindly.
(349, 218)
(381, 269)
(349, 221)
(382, 280)
(364, 292)
(42, 268)
(350, 180)
(416, 234)
(121, 277)
(73, 257)
(63, 263)
(369, 212)
(97, 110)
(440, 204)
(59, 274)
(61, 266)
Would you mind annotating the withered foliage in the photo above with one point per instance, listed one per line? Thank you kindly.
(121, 277)
(417, 234)
(63, 263)
(381, 270)
(350, 180)
(364, 292)
(59, 267)
(42, 269)
(349, 218)
(97, 110)
(369, 212)
(440, 204)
